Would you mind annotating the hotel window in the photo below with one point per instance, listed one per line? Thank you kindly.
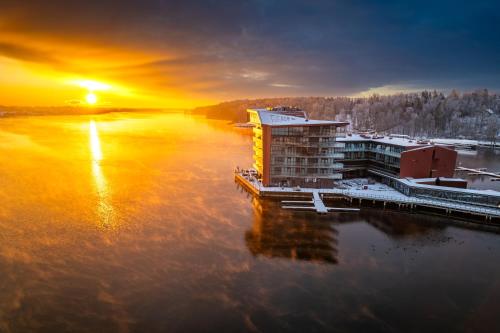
(314, 130)
(295, 131)
(325, 130)
(313, 140)
(280, 131)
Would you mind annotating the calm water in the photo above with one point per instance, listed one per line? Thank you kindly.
(483, 158)
(133, 223)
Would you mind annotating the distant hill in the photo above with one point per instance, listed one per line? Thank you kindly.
(15, 111)
(474, 115)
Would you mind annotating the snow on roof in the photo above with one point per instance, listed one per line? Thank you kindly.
(274, 118)
(427, 145)
(488, 192)
(411, 182)
(418, 180)
(385, 140)
(455, 141)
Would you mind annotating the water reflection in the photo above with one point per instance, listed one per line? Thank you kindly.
(180, 261)
(483, 158)
(104, 208)
(401, 225)
(277, 233)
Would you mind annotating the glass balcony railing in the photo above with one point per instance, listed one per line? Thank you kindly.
(333, 175)
(373, 150)
(331, 144)
(335, 166)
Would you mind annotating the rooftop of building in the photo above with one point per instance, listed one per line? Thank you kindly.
(389, 140)
(277, 117)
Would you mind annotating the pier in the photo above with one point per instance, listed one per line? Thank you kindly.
(317, 205)
(385, 197)
(495, 176)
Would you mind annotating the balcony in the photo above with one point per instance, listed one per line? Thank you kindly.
(331, 175)
(373, 150)
(386, 152)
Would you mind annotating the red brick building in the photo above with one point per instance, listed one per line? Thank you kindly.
(428, 162)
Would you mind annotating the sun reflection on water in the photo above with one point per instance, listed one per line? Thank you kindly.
(104, 208)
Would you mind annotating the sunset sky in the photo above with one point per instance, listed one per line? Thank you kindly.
(188, 53)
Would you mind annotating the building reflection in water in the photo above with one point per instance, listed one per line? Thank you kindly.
(278, 233)
(397, 225)
(403, 225)
(104, 208)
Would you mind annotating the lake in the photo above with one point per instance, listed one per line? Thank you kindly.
(132, 222)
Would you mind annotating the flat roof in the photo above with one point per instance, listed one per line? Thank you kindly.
(455, 142)
(385, 140)
(411, 182)
(418, 180)
(274, 118)
(488, 192)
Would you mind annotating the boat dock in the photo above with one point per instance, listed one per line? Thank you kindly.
(381, 196)
(495, 176)
(315, 204)
(318, 203)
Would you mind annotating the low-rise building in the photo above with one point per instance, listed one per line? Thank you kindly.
(396, 155)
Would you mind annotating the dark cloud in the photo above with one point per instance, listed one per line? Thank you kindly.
(267, 47)
(27, 54)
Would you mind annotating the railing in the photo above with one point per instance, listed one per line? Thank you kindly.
(426, 202)
(307, 164)
(334, 176)
(332, 144)
(373, 150)
(307, 155)
(444, 194)
(386, 152)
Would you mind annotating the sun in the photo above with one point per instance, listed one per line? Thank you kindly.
(91, 98)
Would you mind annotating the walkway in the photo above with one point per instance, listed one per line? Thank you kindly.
(387, 194)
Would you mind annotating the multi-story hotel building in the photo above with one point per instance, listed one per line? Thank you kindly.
(290, 150)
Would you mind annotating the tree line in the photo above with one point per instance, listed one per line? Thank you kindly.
(470, 115)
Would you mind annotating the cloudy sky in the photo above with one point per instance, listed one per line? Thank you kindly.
(187, 53)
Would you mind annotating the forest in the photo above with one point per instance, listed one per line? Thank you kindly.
(469, 115)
